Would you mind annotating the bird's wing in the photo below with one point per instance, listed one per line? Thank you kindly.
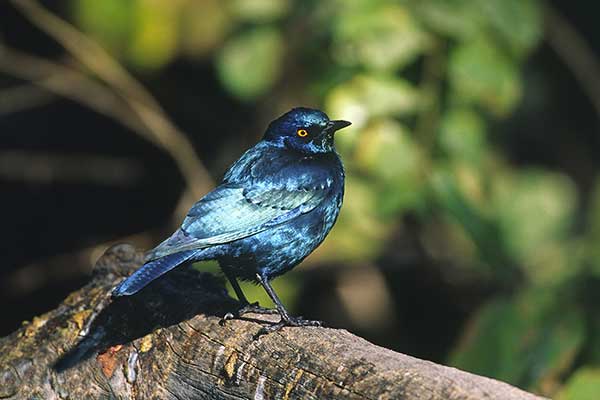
(230, 213)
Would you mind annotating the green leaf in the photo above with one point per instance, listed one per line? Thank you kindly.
(110, 22)
(462, 135)
(359, 233)
(387, 154)
(517, 22)
(200, 39)
(534, 209)
(250, 63)
(592, 237)
(480, 73)
(155, 41)
(381, 38)
(584, 384)
(457, 197)
(524, 341)
(368, 96)
(454, 18)
(259, 11)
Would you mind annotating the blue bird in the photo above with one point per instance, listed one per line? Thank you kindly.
(274, 207)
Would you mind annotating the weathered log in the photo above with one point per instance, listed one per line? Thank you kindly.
(168, 342)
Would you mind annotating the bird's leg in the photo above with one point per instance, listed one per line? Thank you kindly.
(247, 307)
(236, 287)
(286, 318)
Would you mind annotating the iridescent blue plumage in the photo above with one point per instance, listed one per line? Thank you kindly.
(275, 205)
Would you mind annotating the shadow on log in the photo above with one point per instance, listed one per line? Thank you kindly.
(168, 342)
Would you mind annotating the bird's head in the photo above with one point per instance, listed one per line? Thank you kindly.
(304, 129)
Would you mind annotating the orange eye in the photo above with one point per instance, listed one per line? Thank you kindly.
(302, 132)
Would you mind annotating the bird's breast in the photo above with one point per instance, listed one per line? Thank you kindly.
(281, 247)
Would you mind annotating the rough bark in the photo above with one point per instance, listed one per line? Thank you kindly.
(167, 342)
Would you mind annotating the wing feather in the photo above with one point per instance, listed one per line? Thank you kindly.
(231, 213)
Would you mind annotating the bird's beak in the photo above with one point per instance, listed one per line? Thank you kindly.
(336, 125)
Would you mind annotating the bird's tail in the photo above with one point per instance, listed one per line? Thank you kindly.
(150, 271)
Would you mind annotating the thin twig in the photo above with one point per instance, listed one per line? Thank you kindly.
(47, 168)
(577, 55)
(23, 97)
(72, 84)
(97, 60)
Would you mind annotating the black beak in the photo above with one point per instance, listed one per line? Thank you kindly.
(333, 126)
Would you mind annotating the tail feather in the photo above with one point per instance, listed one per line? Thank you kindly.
(150, 271)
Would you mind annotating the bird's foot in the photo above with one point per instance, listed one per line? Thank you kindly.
(255, 308)
(249, 308)
(286, 321)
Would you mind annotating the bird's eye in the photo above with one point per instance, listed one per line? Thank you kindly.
(302, 132)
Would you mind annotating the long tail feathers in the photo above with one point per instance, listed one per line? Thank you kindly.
(150, 271)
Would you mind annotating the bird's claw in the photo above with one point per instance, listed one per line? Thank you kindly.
(226, 317)
(250, 308)
(287, 321)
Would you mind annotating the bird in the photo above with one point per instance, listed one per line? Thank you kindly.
(274, 207)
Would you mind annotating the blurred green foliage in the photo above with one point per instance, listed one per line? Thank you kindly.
(422, 81)
(583, 385)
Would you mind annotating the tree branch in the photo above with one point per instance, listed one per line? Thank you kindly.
(168, 342)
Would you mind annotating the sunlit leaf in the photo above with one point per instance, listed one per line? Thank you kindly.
(359, 233)
(455, 18)
(583, 385)
(110, 22)
(259, 10)
(385, 37)
(518, 22)
(250, 63)
(198, 39)
(480, 73)
(155, 41)
(534, 208)
(387, 153)
(367, 96)
(462, 135)
(144, 33)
